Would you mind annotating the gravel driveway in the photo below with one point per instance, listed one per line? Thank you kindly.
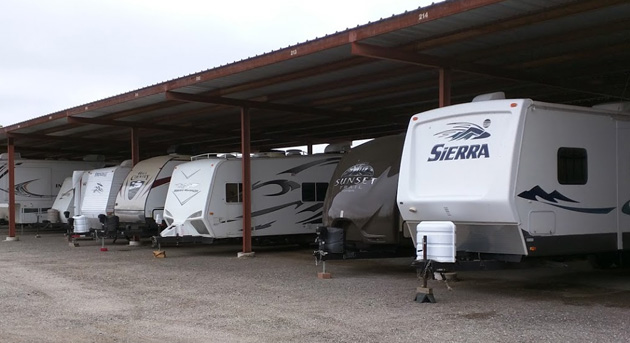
(51, 292)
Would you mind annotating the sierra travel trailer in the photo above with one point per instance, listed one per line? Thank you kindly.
(520, 178)
(37, 183)
(97, 194)
(140, 202)
(361, 202)
(205, 197)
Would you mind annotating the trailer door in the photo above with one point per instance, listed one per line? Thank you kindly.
(623, 185)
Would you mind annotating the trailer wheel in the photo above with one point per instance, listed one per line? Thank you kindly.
(603, 260)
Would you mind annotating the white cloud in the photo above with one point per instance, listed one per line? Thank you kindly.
(61, 54)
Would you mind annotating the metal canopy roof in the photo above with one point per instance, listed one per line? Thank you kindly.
(360, 83)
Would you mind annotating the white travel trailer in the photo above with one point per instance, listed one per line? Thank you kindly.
(140, 202)
(37, 183)
(64, 202)
(205, 197)
(521, 178)
(97, 194)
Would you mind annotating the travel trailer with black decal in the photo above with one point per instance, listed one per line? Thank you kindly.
(521, 178)
(360, 206)
(205, 197)
(96, 195)
(37, 183)
(140, 202)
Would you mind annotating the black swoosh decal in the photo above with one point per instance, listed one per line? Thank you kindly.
(297, 204)
(286, 185)
(5, 169)
(303, 167)
(313, 208)
(22, 189)
(317, 218)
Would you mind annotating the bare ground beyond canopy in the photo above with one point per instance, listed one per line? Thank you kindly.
(51, 292)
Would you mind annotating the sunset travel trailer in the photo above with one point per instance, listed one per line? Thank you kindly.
(140, 202)
(37, 183)
(97, 194)
(205, 197)
(520, 178)
(360, 206)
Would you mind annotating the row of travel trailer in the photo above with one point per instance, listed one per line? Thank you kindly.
(79, 192)
(505, 179)
(174, 198)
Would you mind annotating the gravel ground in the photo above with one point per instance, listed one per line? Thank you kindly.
(51, 292)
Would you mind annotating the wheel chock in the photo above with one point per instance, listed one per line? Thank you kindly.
(424, 295)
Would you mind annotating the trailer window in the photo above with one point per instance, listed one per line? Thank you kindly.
(314, 191)
(572, 166)
(233, 192)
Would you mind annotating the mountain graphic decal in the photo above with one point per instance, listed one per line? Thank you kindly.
(556, 199)
(463, 131)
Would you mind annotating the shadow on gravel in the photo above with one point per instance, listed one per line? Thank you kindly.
(371, 267)
(232, 249)
(581, 287)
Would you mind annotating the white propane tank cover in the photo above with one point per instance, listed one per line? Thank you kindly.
(81, 224)
(440, 241)
(489, 96)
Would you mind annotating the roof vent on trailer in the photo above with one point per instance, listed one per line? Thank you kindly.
(294, 152)
(620, 106)
(337, 148)
(489, 96)
(268, 154)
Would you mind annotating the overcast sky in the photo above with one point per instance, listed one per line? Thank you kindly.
(58, 54)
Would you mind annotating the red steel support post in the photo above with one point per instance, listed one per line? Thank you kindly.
(247, 181)
(11, 169)
(445, 87)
